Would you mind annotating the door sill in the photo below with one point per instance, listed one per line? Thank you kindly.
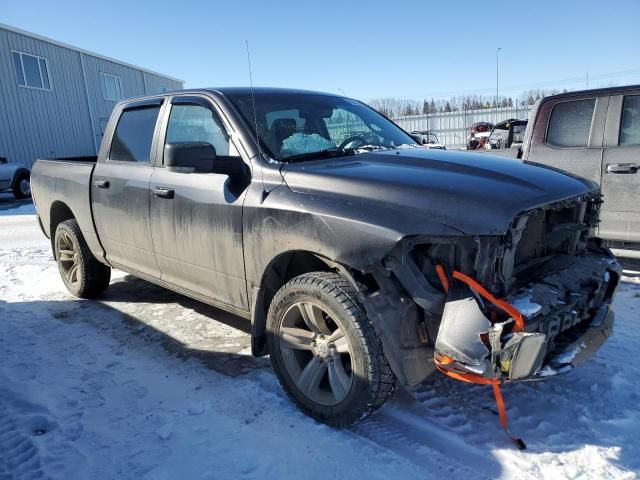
(184, 291)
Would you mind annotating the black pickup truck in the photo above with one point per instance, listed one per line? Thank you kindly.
(361, 259)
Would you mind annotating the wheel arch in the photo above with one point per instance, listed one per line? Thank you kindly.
(58, 213)
(17, 174)
(280, 270)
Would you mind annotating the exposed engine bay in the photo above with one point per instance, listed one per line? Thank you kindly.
(547, 267)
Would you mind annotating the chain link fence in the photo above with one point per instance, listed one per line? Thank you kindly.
(452, 128)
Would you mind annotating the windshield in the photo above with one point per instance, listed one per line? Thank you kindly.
(294, 126)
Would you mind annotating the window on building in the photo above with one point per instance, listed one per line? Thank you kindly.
(31, 71)
(158, 89)
(570, 124)
(630, 122)
(134, 135)
(194, 123)
(112, 87)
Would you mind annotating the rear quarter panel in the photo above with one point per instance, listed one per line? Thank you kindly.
(67, 182)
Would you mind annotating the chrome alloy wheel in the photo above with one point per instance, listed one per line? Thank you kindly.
(68, 257)
(25, 187)
(316, 353)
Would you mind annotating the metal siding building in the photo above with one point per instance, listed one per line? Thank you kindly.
(67, 119)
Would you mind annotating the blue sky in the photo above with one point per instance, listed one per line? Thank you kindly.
(409, 49)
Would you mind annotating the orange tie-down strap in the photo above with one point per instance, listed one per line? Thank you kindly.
(442, 361)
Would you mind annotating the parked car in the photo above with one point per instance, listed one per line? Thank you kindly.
(478, 135)
(507, 134)
(15, 178)
(428, 139)
(595, 134)
(361, 263)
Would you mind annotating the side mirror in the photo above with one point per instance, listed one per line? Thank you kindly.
(190, 157)
(201, 157)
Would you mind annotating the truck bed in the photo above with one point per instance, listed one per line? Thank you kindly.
(91, 159)
(60, 185)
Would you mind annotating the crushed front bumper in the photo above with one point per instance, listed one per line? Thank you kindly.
(582, 346)
(565, 313)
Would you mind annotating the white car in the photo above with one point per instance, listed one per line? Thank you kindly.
(15, 177)
(428, 139)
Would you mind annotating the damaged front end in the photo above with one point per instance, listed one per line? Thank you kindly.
(525, 305)
(564, 317)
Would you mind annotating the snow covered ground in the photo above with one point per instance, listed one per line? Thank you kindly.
(146, 384)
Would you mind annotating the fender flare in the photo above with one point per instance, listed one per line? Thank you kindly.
(258, 319)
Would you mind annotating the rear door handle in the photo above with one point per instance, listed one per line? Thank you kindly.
(622, 168)
(164, 192)
(101, 183)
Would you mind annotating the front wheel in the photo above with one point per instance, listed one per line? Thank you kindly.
(83, 275)
(325, 351)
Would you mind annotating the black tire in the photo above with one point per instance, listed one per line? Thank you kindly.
(372, 381)
(22, 186)
(91, 277)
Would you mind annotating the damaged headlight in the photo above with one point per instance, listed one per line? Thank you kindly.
(522, 355)
(473, 344)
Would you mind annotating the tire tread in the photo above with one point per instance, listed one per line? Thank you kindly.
(382, 380)
(95, 275)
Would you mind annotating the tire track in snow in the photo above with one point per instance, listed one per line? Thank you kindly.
(402, 426)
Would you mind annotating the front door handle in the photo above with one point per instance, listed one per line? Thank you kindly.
(622, 168)
(164, 192)
(101, 183)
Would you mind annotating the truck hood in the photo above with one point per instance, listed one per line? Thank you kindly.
(474, 194)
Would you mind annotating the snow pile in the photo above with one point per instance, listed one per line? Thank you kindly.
(144, 384)
(524, 304)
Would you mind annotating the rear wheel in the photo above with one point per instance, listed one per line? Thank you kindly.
(83, 275)
(325, 351)
(22, 186)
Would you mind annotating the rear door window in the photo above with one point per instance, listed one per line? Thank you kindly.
(134, 135)
(630, 121)
(570, 124)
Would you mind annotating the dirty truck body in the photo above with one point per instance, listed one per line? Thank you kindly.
(323, 223)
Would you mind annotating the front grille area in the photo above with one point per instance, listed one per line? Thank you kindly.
(532, 243)
(563, 300)
(560, 228)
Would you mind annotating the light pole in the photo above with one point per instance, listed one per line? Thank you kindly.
(497, 77)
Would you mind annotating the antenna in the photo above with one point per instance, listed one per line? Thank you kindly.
(255, 119)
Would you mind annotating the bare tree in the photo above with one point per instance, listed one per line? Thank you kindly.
(395, 107)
